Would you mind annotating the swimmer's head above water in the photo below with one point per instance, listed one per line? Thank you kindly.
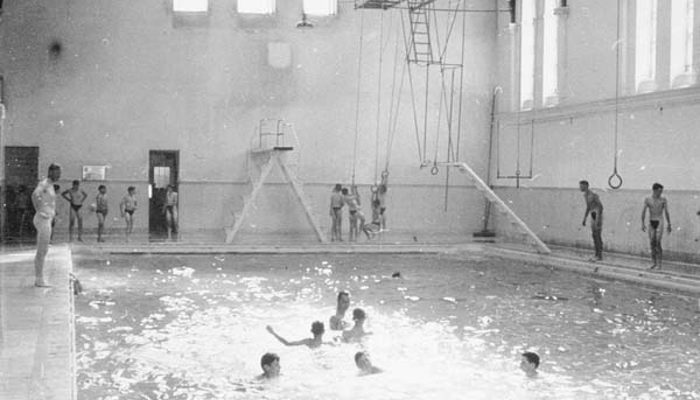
(270, 364)
(364, 364)
(317, 328)
(529, 363)
(343, 302)
(358, 315)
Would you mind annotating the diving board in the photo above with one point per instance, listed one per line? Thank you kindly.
(266, 156)
(503, 207)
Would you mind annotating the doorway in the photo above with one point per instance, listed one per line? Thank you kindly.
(21, 176)
(162, 171)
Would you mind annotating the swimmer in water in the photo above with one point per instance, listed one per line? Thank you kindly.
(529, 362)
(317, 329)
(365, 365)
(270, 364)
(336, 322)
(658, 208)
(357, 332)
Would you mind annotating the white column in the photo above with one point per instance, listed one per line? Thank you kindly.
(663, 45)
(537, 100)
(562, 14)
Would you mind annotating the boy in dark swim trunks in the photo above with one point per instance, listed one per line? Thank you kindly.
(170, 209)
(595, 208)
(101, 209)
(75, 196)
(658, 208)
(356, 216)
(127, 208)
(336, 213)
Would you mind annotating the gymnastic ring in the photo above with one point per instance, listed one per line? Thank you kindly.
(615, 177)
(385, 174)
(435, 170)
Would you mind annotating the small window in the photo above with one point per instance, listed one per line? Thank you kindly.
(161, 177)
(191, 6)
(320, 7)
(256, 6)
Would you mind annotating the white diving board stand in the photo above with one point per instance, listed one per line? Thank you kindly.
(273, 156)
(503, 207)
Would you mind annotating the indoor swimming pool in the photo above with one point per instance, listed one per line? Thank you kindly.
(452, 326)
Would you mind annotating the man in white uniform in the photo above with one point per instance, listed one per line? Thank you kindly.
(44, 200)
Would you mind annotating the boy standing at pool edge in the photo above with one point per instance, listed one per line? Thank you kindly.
(127, 207)
(101, 209)
(658, 207)
(595, 208)
(336, 213)
(75, 196)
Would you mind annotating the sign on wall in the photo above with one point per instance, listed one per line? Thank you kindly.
(94, 172)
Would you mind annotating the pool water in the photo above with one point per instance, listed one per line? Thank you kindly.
(452, 326)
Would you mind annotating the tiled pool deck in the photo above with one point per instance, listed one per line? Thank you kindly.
(36, 328)
(36, 324)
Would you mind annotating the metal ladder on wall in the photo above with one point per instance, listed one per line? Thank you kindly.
(266, 158)
(503, 208)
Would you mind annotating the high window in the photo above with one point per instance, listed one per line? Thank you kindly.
(527, 54)
(190, 5)
(550, 52)
(681, 66)
(540, 52)
(320, 7)
(256, 6)
(645, 45)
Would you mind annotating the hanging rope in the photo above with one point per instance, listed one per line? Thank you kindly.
(615, 180)
(394, 110)
(451, 26)
(413, 97)
(379, 95)
(357, 101)
(461, 89)
(425, 115)
(435, 170)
